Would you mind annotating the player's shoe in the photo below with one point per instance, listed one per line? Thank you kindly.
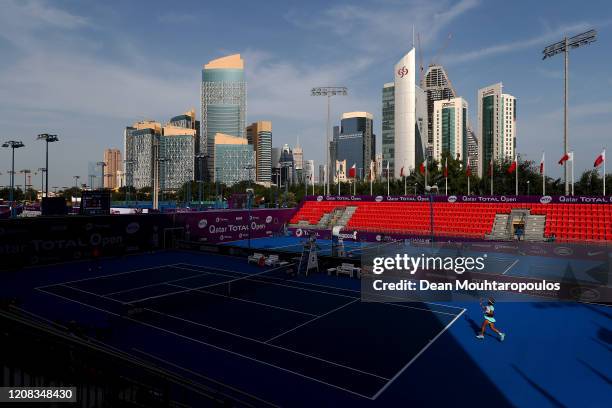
(502, 336)
(480, 336)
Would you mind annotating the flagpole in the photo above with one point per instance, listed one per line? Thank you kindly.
(491, 164)
(388, 193)
(468, 192)
(446, 177)
(426, 175)
(604, 172)
(544, 173)
(405, 193)
(516, 172)
(572, 173)
(371, 178)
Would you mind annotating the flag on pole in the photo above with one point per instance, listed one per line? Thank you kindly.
(490, 172)
(446, 168)
(372, 170)
(402, 172)
(422, 168)
(600, 159)
(468, 170)
(353, 171)
(565, 158)
(542, 164)
(512, 167)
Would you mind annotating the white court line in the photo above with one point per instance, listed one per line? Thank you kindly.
(205, 286)
(156, 284)
(337, 294)
(247, 301)
(511, 266)
(416, 356)
(267, 344)
(311, 320)
(109, 275)
(214, 346)
(229, 332)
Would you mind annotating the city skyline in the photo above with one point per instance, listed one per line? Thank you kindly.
(66, 62)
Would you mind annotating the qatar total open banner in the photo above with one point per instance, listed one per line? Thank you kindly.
(468, 199)
(233, 225)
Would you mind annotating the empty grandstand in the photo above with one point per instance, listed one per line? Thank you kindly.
(531, 221)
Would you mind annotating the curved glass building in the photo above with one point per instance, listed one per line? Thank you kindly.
(223, 103)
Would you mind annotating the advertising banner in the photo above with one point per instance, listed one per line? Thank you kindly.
(468, 199)
(233, 225)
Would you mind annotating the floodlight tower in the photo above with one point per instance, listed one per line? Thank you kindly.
(564, 46)
(48, 139)
(13, 144)
(328, 91)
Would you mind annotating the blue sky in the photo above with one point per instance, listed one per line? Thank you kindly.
(85, 69)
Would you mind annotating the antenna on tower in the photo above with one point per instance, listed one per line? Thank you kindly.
(413, 36)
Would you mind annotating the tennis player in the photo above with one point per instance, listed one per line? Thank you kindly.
(489, 319)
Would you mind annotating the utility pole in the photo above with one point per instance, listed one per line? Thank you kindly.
(328, 91)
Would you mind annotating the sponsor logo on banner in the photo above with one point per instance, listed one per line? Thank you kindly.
(452, 199)
(595, 253)
(268, 219)
(320, 198)
(545, 199)
(563, 251)
(378, 199)
(202, 223)
(238, 218)
(378, 238)
(132, 228)
(299, 232)
(351, 235)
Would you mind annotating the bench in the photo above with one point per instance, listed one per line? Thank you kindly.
(255, 258)
(346, 269)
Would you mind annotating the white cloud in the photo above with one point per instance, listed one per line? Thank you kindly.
(386, 29)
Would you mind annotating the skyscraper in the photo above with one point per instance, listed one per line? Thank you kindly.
(450, 129)
(410, 119)
(234, 160)
(176, 151)
(113, 165)
(388, 124)
(139, 142)
(298, 161)
(437, 86)
(355, 141)
(472, 148)
(259, 135)
(223, 103)
(287, 166)
(496, 126)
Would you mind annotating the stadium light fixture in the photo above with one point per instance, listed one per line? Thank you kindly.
(564, 46)
(12, 144)
(328, 91)
(48, 138)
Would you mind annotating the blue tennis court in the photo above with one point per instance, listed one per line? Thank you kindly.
(284, 340)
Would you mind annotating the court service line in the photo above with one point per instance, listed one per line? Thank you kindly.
(223, 349)
(511, 266)
(310, 321)
(337, 294)
(197, 275)
(108, 275)
(247, 301)
(205, 286)
(413, 359)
